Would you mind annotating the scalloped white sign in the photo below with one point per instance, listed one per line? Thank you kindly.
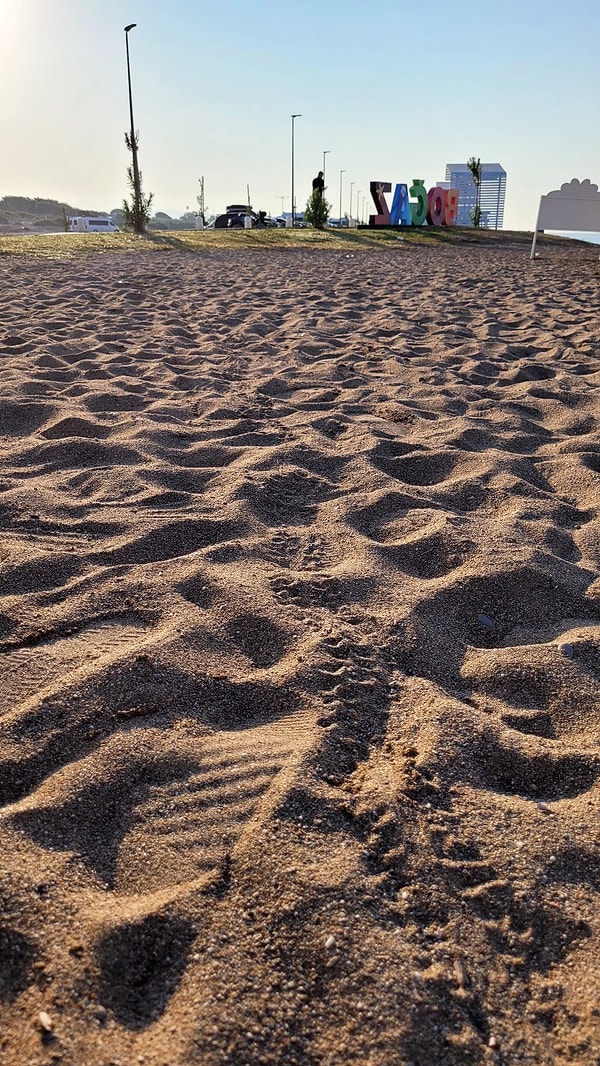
(574, 208)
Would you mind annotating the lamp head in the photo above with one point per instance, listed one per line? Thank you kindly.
(131, 26)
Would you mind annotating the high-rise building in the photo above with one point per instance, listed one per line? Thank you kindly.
(492, 193)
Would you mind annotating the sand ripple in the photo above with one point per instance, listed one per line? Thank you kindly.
(288, 545)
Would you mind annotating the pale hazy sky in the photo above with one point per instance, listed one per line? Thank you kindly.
(394, 90)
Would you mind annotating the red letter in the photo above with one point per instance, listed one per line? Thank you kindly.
(378, 190)
(451, 207)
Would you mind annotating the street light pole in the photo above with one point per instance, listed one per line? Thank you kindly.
(341, 172)
(351, 188)
(294, 117)
(326, 152)
(137, 189)
(358, 207)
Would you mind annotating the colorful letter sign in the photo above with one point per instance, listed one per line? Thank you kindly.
(438, 207)
(400, 213)
(378, 191)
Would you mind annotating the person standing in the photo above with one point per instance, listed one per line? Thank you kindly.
(319, 183)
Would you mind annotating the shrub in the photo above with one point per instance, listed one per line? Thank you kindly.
(317, 210)
(136, 216)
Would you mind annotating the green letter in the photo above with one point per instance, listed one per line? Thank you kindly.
(418, 211)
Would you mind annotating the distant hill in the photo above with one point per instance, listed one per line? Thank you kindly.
(18, 213)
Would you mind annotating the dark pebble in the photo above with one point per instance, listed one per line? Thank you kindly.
(485, 620)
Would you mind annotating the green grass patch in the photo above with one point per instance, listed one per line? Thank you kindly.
(75, 245)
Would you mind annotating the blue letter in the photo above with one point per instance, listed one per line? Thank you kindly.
(400, 212)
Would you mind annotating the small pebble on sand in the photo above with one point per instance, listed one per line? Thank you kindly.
(485, 620)
(566, 649)
(45, 1021)
(330, 943)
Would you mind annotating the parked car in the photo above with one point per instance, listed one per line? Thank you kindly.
(92, 224)
(233, 218)
(236, 214)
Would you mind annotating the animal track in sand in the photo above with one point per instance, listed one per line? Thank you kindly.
(326, 591)
(348, 679)
(392, 474)
(302, 551)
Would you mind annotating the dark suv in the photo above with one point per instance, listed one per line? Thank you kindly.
(236, 214)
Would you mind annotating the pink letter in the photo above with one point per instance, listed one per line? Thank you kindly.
(437, 206)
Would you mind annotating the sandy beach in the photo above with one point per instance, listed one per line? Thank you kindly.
(300, 658)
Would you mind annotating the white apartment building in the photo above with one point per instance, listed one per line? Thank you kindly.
(492, 193)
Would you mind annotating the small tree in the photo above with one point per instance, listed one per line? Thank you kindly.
(474, 166)
(136, 215)
(317, 209)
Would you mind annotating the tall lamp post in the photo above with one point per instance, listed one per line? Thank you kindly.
(351, 188)
(326, 152)
(294, 117)
(358, 195)
(341, 172)
(137, 189)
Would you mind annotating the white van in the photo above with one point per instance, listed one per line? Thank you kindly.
(92, 224)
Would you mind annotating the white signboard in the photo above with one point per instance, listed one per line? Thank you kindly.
(574, 207)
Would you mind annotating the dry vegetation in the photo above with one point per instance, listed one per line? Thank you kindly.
(72, 245)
